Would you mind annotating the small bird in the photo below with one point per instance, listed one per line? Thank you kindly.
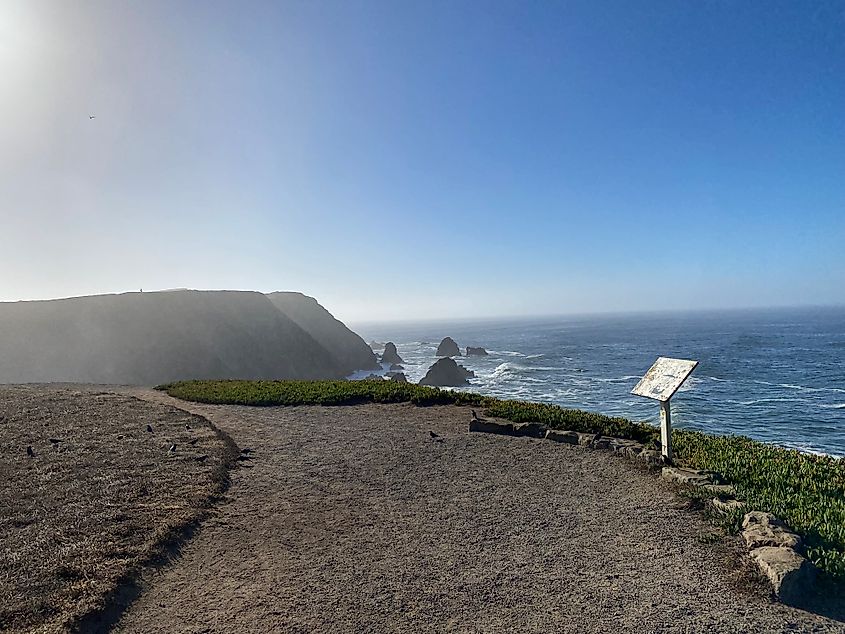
(172, 449)
(187, 427)
(55, 441)
(30, 452)
(474, 415)
(92, 116)
(149, 428)
(433, 434)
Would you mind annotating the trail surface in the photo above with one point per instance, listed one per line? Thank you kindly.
(353, 519)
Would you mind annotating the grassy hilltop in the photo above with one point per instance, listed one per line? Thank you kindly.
(806, 491)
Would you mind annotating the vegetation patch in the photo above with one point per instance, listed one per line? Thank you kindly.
(806, 491)
(98, 497)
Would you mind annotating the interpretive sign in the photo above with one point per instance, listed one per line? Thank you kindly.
(660, 382)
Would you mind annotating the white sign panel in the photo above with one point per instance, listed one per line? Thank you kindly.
(664, 378)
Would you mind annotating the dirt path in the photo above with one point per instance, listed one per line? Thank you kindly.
(355, 520)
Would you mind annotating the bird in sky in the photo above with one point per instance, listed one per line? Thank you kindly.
(91, 116)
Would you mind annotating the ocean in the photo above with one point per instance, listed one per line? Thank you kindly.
(774, 375)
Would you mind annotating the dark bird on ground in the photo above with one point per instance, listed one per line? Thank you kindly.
(187, 427)
(172, 449)
(55, 441)
(433, 434)
(474, 415)
(30, 452)
(149, 428)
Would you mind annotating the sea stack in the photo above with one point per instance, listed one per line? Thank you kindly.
(448, 348)
(390, 355)
(446, 373)
(476, 352)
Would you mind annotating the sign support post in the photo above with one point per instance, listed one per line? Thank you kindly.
(665, 430)
(660, 382)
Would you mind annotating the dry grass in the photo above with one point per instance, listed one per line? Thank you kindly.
(79, 518)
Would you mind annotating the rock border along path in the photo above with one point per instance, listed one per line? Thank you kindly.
(355, 519)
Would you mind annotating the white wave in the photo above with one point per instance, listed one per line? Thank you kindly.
(501, 370)
(715, 378)
(835, 406)
(535, 356)
(507, 353)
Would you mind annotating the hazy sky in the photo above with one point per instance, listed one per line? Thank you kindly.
(427, 159)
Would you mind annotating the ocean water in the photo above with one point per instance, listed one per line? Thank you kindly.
(774, 375)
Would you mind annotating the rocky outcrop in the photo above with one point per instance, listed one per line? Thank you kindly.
(396, 366)
(390, 355)
(350, 351)
(448, 348)
(157, 337)
(397, 377)
(476, 352)
(445, 373)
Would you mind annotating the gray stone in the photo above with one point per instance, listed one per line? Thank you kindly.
(531, 430)
(690, 476)
(761, 529)
(651, 457)
(491, 427)
(587, 440)
(398, 377)
(723, 490)
(477, 352)
(790, 574)
(562, 436)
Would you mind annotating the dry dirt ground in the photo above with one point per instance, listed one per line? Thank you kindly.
(353, 519)
(99, 495)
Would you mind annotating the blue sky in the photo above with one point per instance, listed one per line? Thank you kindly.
(423, 160)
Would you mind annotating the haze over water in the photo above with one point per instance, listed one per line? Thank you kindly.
(774, 375)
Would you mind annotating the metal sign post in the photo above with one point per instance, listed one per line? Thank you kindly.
(660, 382)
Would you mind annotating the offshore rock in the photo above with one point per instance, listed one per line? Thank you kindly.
(476, 352)
(448, 348)
(445, 373)
(390, 355)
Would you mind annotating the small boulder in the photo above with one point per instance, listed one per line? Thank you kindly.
(448, 348)
(694, 477)
(531, 430)
(398, 377)
(764, 529)
(556, 435)
(390, 355)
(476, 352)
(790, 574)
(491, 427)
(445, 373)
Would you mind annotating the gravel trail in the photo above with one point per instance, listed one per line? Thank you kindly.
(353, 519)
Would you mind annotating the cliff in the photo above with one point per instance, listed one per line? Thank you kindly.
(150, 338)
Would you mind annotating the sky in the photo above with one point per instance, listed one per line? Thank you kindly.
(415, 160)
